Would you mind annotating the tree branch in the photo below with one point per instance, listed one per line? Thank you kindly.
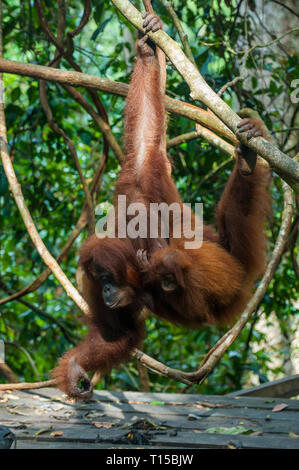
(215, 140)
(82, 221)
(46, 272)
(78, 79)
(84, 20)
(200, 90)
(285, 6)
(104, 127)
(28, 385)
(214, 171)
(208, 135)
(267, 44)
(6, 371)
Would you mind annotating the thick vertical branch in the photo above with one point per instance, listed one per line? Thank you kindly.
(200, 90)
(9, 375)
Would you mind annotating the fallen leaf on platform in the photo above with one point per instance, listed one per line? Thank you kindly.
(56, 433)
(42, 431)
(279, 407)
(102, 424)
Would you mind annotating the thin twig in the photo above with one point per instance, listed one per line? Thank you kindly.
(28, 385)
(213, 172)
(66, 53)
(277, 131)
(26, 353)
(286, 6)
(84, 20)
(70, 336)
(208, 135)
(267, 44)
(72, 148)
(182, 139)
(230, 84)
(183, 36)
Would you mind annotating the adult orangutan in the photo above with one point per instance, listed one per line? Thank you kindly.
(112, 284)
(207, 284)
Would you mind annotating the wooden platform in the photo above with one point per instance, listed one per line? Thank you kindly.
(44, 419)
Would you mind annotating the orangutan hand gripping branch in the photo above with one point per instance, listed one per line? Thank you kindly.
(186, 286)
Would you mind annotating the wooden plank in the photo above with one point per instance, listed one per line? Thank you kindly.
(24, 410)
(138, 402)
(220, 441)
(284, 388)
(44, 417)
(182, 423)
(184, 399)
(38, 408)
(81, 445)
(186, 439)
(35, 412)
(27, 413)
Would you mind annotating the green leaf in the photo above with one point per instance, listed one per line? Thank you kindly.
(254, 82)
(15, 94)
(3, 182)
(99, 11)
(232, 430)
(100, 29)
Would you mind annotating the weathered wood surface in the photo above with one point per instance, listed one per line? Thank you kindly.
(286, 387)
(45, 419)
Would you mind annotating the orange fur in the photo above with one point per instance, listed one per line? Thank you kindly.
(113, 333)
(214, 281)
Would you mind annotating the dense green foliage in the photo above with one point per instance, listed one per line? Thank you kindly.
(54, 195)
